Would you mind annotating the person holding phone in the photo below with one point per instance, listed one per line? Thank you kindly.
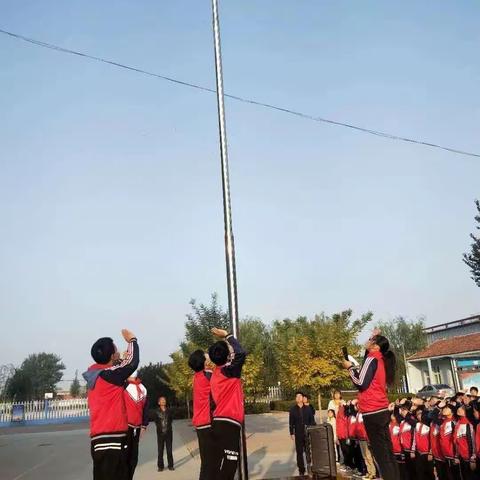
(371, 379)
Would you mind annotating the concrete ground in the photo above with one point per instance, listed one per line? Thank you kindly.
(62, 452)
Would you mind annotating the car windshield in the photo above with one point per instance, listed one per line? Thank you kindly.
(441, 385)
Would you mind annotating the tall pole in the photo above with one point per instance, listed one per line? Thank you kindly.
(227, 215)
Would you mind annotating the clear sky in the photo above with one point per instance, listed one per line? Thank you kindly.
(110, 194)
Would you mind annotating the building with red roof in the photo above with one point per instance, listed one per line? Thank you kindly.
(452, 356)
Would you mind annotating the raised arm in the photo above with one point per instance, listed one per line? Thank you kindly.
(234, 368)
(363, 377)
(118, 374)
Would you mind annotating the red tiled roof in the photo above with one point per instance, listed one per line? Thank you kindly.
(450, 346)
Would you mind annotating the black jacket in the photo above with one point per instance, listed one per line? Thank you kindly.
(299, 419)
(158, 420)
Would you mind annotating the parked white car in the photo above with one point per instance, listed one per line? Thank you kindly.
(437, 390)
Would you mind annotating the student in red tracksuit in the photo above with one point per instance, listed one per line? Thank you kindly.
(447, 442)
(352, 435)
(464, 438)
(422, 450)
(227, 394)
(202, 410)
(371, 380)
(407, 430)
(438, 457)
(342, 435)
(108, 417)
(135, 396)
(364, 447)
(394, 427)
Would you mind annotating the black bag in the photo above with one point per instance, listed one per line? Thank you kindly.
(322, 451)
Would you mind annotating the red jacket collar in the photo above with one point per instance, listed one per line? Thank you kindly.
(135, 381)
(97, 366)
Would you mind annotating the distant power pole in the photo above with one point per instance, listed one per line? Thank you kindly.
(227, 215)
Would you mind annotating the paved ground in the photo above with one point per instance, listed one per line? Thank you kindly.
(62, 452)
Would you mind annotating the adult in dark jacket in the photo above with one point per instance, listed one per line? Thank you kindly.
(377, 371)
(163, 418)
(300, 417)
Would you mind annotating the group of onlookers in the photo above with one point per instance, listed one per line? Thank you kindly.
(432, 438)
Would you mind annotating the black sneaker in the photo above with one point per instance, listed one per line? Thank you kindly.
(171, 468)
(160, 469)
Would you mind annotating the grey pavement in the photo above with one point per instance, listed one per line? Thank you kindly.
(62, 452)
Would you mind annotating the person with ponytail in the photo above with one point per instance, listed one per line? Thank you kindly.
(371, 379)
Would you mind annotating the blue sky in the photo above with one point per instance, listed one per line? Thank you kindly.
(110, 193)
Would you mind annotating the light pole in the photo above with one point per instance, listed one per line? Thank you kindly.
(227, 215)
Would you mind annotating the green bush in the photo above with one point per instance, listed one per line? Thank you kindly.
(281, 405)
(251, 408)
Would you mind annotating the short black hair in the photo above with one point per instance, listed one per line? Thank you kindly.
(306, 395)
(298, 392)
(196, 361)
(474, 388)
(102, 350)
(218, 353)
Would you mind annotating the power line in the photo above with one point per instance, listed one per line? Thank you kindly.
(238, 98)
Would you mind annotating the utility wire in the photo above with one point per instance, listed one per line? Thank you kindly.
(236, 97)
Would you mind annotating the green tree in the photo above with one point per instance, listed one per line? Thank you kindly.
(309, 352)
(406, 337)
(253, 376)
(180, 377)
(75, 386)
(157, 383)
(202, 319)
(472, 259)
(38, 374)
(260, 369)
(19, 387)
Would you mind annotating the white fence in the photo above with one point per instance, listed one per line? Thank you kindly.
(46, 410)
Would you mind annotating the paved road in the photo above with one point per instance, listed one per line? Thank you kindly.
(65, 455)
(62, 452)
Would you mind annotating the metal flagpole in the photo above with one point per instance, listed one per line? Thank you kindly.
(227, 214)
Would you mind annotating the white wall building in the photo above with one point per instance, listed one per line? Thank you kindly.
(452, 356)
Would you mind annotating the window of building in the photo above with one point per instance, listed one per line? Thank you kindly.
(437, 376)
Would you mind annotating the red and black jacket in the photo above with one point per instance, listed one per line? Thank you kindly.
(464, 438)
(135, 396)
(477, 441)
(421, 441)
(342, 423)
(106, 386)
(447, 443)
(435, 442)
(202, 400)
(361, 431)
(371, 383)
(394, 428)
(407, 433)
(352, 426)
(226, 387)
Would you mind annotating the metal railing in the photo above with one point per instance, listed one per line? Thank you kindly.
(46, 410)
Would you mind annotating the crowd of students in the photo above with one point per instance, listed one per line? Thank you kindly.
(119, 409)
(432, 438)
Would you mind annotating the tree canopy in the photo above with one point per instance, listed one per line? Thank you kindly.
(308, 352)
(472, 259)
(38, 374)
(405, 337)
